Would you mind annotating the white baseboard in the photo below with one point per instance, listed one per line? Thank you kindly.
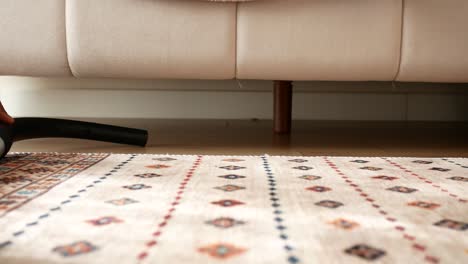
(219, 100)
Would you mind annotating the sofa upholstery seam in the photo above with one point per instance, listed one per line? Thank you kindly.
(236, 44)
(401, 40)
(67, 48)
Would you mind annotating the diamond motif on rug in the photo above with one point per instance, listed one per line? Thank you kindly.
(135, 187)
(224, 222)
(230, 188)
(344, 224)
(122, 201)
(232, 167)
(227, 203)
(106, 220)
(360, 161)
(164, 159)
(304, 168)
(402, 189)
(158, 166)
(222, 250)
(458, 178)
(74, 249)
(310, 177)
(148, 175)
(452, 224)
(329, 204)
(439, 169)
(365, 252)
(298, 160)
(370, 168)
(318, 189)
(233, 160)
(424, 205)
(422, 162)
(385, 177)
(232, 177)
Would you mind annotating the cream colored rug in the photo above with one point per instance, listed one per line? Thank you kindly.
(101, 208)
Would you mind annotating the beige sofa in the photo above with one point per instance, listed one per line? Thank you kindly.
(339, 40)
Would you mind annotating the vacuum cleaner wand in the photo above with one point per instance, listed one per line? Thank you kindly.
(30, 128)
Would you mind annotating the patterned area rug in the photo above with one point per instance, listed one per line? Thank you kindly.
(114, 208)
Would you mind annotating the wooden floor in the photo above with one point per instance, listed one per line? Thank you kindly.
(254, 137)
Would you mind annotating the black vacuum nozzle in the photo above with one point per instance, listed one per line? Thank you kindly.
(30, 128)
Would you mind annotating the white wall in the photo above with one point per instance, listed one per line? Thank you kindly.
(230, 99)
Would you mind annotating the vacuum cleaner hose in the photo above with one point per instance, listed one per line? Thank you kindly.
(29, 128)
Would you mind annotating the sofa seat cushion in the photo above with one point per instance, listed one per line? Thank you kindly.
(435, 41)
(338, 40)
(151, 39)
(32, 38)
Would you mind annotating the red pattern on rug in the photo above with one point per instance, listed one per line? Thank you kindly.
(24, 177)
(178, 196)
(416, 245)
(253, 209)
(425, 180)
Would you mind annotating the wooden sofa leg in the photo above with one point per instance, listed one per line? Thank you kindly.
(282, 109)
